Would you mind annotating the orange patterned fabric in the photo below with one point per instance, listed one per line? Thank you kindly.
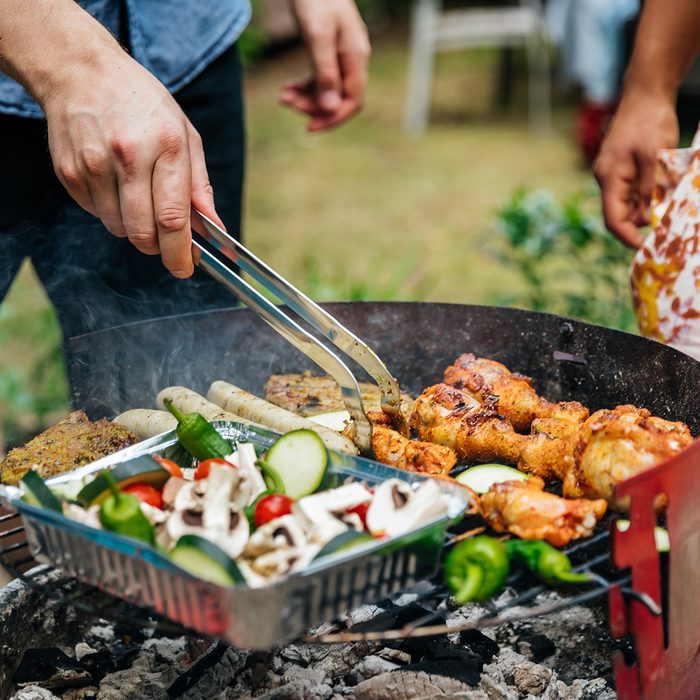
(665, 272)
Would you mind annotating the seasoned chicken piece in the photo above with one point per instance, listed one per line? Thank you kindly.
(548, 452)
(524, 509)
(397, 451)
(449, 416)
(67, 445)
(613, 445)
(510, 394)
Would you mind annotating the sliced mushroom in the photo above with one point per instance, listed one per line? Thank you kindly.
(397, 508)
(171, 489)
(255, 484)
(324, 515)
(280, 533)
(87, 516)
(221, 486)
(159, 519)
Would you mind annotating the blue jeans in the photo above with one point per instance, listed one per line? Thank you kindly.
(94, 279)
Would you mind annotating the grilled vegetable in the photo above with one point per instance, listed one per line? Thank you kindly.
(146, 422)
(547, 562)
(204, 559)
(240, 402)
(249, 511)
(146, 494)
(482, 477)
(345, 540)
(300, 458)
(335, 420)
(203, 468)
(121, 513)
(272, 506)
(476, 569)
(197, 435)
(38, 493)
(140, 470)
(663, 542)
(173, 468)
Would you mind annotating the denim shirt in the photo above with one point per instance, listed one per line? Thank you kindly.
(174, 39)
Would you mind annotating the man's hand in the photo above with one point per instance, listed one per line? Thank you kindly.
(339, 46)
(119, 142)
(624, 169)
(125, 151)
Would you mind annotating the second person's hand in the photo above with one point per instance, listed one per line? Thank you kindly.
(644, 123)
(339, 46)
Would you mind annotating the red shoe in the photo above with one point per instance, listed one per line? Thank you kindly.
(592, 124)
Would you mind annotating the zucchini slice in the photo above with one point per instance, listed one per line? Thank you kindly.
(139, 470)
(482, 477)
(202, 558)
(345, 540)
(661, 538)
(300, 458)
(38, 493)
(335, 420)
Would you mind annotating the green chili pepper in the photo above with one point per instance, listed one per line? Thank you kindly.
(249, 511)
(197, 435)
(476, 569)
(547, 562)
(271, 476)
(121, 513)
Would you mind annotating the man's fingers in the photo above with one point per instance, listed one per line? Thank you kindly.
(647, 167)
(172, 196)
(618, 210)
(300, 101)
(323, 47)
(136, 204)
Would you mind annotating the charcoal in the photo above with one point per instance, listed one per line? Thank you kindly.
(480, 644)
(402, 684)
(531, 679)
(50, 668)
(397, 617)
(535, 647)
(466, 670)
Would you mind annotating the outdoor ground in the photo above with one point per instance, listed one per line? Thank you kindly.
(364, 212)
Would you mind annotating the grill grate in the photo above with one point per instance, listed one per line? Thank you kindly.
(591, 555)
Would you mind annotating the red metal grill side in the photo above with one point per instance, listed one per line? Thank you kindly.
(659, 673)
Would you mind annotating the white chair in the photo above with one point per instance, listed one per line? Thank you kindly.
(434, 29)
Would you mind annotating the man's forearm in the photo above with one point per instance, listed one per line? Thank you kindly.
(668, 39)
(43, 43)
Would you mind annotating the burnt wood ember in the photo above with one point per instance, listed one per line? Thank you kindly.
(50, 668)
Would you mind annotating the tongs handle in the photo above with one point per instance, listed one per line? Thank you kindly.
(297, 336)
(320, 319)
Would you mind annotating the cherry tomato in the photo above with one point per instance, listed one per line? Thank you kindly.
(202, 471)
(169, 465)
(146, 493)
(273, 506)
(361, 510)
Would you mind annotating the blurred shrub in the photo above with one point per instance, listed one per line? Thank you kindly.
(564, 260)
(33, 386)
(402, 280)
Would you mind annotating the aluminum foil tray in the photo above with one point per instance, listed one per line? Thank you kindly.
(253, 618)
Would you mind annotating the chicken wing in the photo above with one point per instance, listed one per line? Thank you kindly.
(510, 394)
(449, 416)
(392, 448)
(524, 509)
(613, 445)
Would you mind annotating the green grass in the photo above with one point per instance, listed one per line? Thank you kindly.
(363, 212)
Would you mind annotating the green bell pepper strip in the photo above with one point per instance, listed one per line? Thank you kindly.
(272, 477)
(121, 513)
(476, 569)
(249, 511)
(197, 435)
(547, 562)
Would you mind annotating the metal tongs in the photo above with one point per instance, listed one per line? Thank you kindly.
(312, 313)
